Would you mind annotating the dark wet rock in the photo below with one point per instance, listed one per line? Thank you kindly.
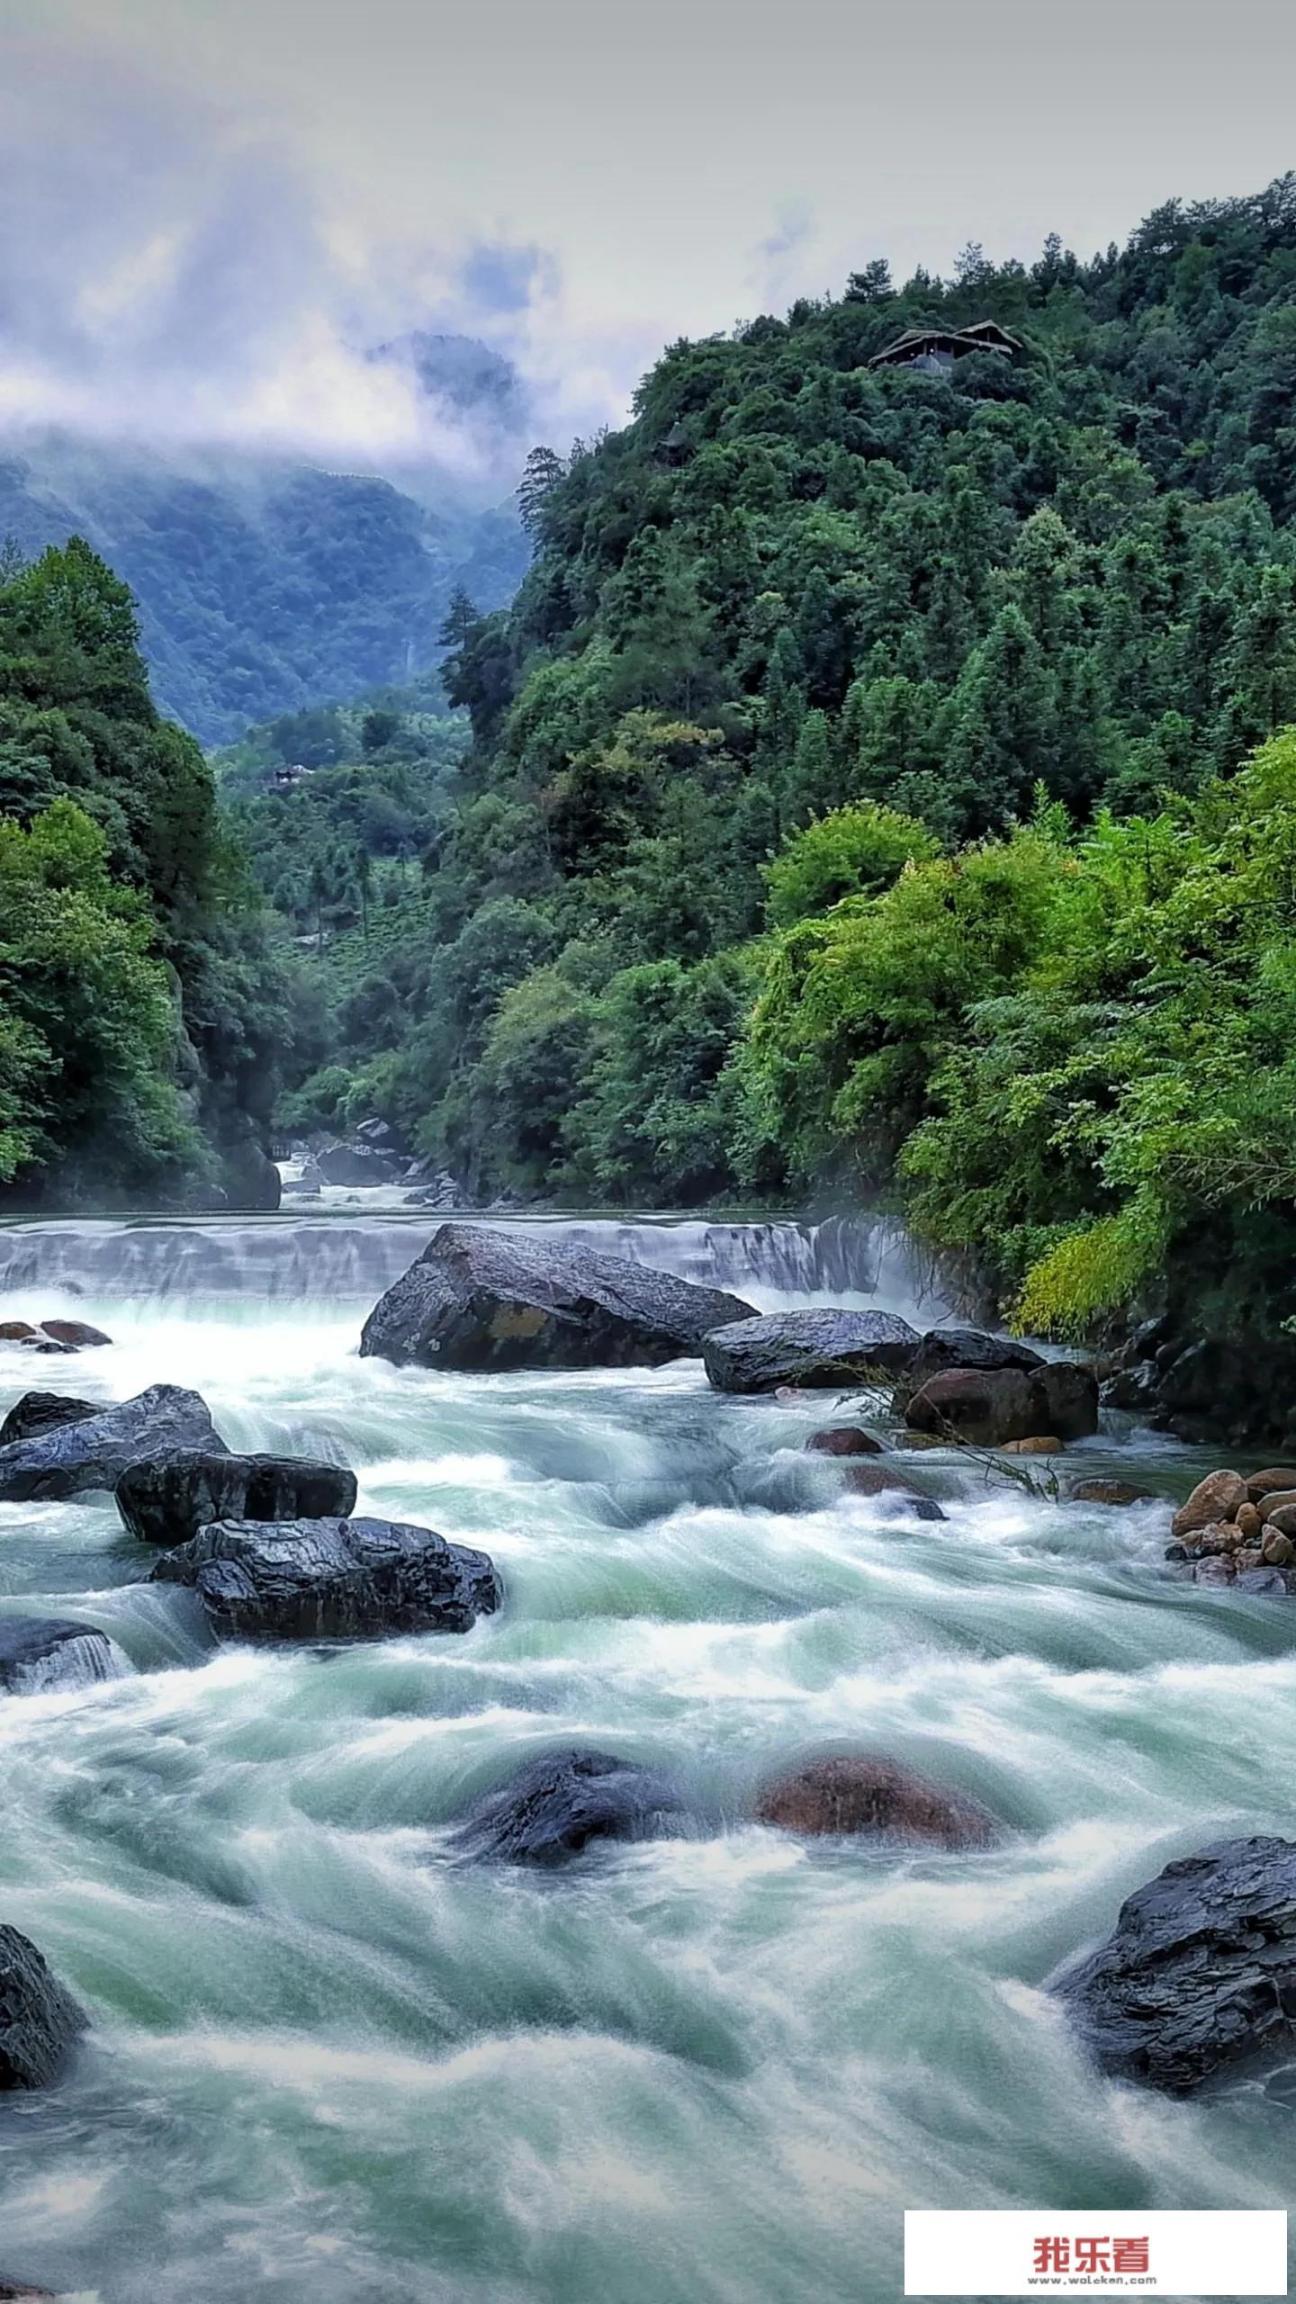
(77, 1335)
(1198, 1978)
(94, 1451)
(879, 1480)
(944, 1348)
(859, 1792)
(40, 1653)
(983, 1408)
(39, 2021)
(16, 1331)
(1070, 1392)
(552, 1807)
(249, 1181)
(844, 1440)
(359, 1164)
(1119, 1493)
(305, 1185)
(811, 1349)
(167, 1502)
(482, 1298)
(331, 1579)
(11, 2291)
(39, 1412)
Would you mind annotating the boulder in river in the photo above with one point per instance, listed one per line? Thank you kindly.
(984, 1407)
(41, 1653)
(16, 1331)
(483, 1298)
(844, 1440)
(74, 1335)
(944, 1348)
(1198, 1978)
(95, 1450)
(39, 2021)
(13, 2291)
(862, 1793)
(167, 1501)
(359, 1164)
(552, 1807)
(331, 1579)
(44, 1412)
(812, 1349)
(1269, 1482)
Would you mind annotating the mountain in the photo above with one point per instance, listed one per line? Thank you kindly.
(262, 587)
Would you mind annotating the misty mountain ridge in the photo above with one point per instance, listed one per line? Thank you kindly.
(263, 583)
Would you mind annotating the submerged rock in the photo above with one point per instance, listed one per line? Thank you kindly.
(39, 2021)
(861, 1793)
(44, 1412)
(39, 1653)
(844, 1440)
(880, 1480)
(1198, 1977)
(552, 1807)
(481, 1298)
(331, 1579)
(95, 1450)
(167, 1502)
(812, 1349)
(1119, 1493)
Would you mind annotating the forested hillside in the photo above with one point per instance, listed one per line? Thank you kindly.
(262, 587)
(854, 791)
(143, 1013)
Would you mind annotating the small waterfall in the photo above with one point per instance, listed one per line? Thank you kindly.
(344, 1259)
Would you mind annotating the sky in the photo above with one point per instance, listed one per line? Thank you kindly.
(211, 211)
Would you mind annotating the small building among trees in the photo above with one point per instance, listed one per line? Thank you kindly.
(937, 349)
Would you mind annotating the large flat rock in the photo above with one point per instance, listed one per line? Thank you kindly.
(482, 1298)
(168, 1501)
(94, 1451)
(812, 1348)
(1198, 1977)
(331, 1579)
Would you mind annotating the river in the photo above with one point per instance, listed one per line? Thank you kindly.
(330, 2064)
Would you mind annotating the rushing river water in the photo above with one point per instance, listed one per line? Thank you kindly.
(331, 2065)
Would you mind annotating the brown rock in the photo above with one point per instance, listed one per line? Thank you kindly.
(1217, 1497)
(1276, 1507)
(1221, 1536)
(1268, 1482)
(1278, 1550)
(862, 1793)
(1120, 1493)
(77, 1335)
(875, 1480)
(983, 1406)
(1039, 1444)
(1250, 1556)
(15, 1331)
(844, 1440)
(916, 1440)
(1249, 1520)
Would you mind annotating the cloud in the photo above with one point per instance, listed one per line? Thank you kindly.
(174, 280)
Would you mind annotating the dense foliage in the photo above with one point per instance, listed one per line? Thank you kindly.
(141, 1009)
(261, 587)
(815, 760)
